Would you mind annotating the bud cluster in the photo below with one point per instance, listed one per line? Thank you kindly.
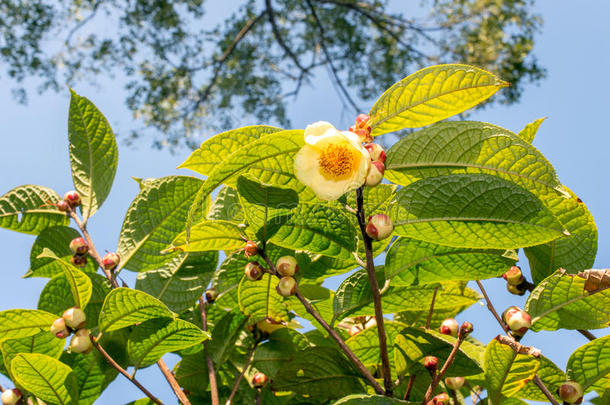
(361, 128)
(110, 261)
(71, 200)
(80, 248)
(287, 267)
(73, 321)
(515, 282)
(449, 327)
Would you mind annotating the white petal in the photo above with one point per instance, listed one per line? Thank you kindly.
(318, 128)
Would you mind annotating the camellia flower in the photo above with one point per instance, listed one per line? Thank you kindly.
(331, 162)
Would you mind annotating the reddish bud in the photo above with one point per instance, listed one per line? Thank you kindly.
(110, 261)
(571, 392)
(515, 289)
(81, 342)
(287, 286)
(376, 152)
(466, 329)
(59, 329)
(287, 266)
(79, 246)
(253, 271)
(375, 175)
(379, 227)
(62, 205)
(74, 317)
(454, 383)
(11, 396)
(79, 260)
(431, 363)
(251, 249)
(518, 321)
(449, 327)
(72, 198)
(259, 380)
(514, 276)
(362, 120)
(211, 294)
(441, 399)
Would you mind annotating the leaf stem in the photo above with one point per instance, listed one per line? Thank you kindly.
(333, 334)
(436, 379)
(370, 268)
(208, 359)
(431, 311)
(409, 387)
(545, 390)
(121, 370)
(587, 334)
(491, 308)
(241, 375)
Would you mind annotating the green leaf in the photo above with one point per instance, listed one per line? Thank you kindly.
(93, 153)
(149, 341)
(473, 211)
(56, 239)
(431, 95)
(410, 261)
(30, 209)
(155, 217)
(209, 235)
(318, 372)
(470, 147)
(18, 323)
(551, 376)
(125, 307)
(56, 297)
(561, 301)
(213, 152)
(226, 206)
(265, 195)
(270, 159)
(225, 334)
(572, 253)
(529, 132)
(362, 399)
(180, 288)
(590, 362)
(79, 282)
(192, 372)
(365, 345)
(43, 342)
(282, 345)
(506, 372)
(259, 300)
(45, 377)
(412, 345)
(93, 374)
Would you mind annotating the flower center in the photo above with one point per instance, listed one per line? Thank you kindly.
(337, 161)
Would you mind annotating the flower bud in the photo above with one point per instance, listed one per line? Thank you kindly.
(513, 275)
(518, 321)
(430, 363)
(74, 317)
(287, 266)
(59, 329)
(79, 261)
(454, 383)
(253, 271)
(81, 342)
(441, 399)
(11, 396)
(362, 128)
(79, 246)
(571, 392)
(72, 198)
(355, 329)
(251, 249)
(515, 289)
(362, 120)
(449, 327)
(259, 380)
(376, 152)
(379, 227)
(211, 294)
(465, 330)
(110, 261)
(287, 286)
(62, 205)
(375, 174)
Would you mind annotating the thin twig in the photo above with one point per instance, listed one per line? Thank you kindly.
(370, 268)
(208, 359)
(491, 307)
(241, 375)
(518, 347)
(587, 334)
(171, 379)
(431, 311)
(122, 370)
(544, 390)
(350, 355)
(436, 379)
(278, 36)
(409, 387)
(472, 391)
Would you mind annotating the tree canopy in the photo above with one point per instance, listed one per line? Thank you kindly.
(186, 76)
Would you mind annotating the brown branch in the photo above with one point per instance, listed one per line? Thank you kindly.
(518, 347)
(431, 311)
(370, 268)
(587, 334)
(171, 379)
(208, 359)
(436, 379)
(241, 376)
(121, 370)
(491, 307)
(409, 387)
(545, 390)
(331, 65)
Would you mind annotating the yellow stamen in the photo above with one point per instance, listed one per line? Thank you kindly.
(337, 161)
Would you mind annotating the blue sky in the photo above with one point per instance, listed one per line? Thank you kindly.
(575, 138)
